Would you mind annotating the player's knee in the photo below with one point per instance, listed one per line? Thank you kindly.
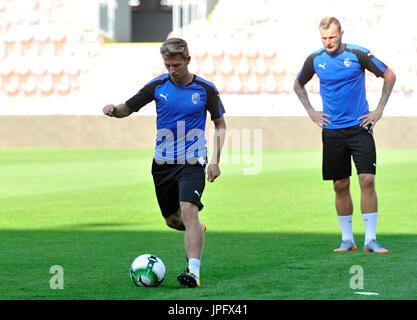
(367, 181)
(170, 223)
(189, 212)
(341, 185)
(174, 222)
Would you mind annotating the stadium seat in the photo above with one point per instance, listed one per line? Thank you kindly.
(9, 44)
(234, 85)
(58, 41)
(74, 77)
(199, 53)
(45, 46)
(29, 87)
(74, 37)
(253, 83)
(261, 82)
(208, 77)
(252, 54)
(55, 68)
(218, 82)
(208, 68)
(370, 83)
(243, 68)
(260, 66)
(193, 67)
(314, 85)
(217, 54)
(12, 86)
(6, 70)
(38, 66)
(46, 85)
(91, 41)
(63, 87)
(35, 47)
(226, 69)
(269, 55)
(244, 82)
(27, 43)
(277, 67)
(268, 84)
(234, 53)
(279, 82)
(21, 70)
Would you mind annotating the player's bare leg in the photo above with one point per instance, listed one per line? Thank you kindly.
(369, 199)
(344, 209)
(175, 221)
(193, 242)
(344, 204)
(194, 235)
(369, 207)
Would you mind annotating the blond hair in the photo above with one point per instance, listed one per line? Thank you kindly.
(174, 46)
(326, 22)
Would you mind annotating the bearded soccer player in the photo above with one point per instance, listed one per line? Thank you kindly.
(178, 169)
(347, 124)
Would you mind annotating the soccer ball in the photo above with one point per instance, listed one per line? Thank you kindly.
(147, 270)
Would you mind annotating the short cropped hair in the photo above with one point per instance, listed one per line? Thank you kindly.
(174, 46)
(326, 22)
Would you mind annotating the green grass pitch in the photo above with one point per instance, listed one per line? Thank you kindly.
(269, 236)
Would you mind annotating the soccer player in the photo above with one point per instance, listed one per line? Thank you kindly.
(182, 101)
(347, 124)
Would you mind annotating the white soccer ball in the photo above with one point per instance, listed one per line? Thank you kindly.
(147, 270)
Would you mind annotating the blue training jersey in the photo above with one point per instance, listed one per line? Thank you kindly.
(342, 82)
(181, 116)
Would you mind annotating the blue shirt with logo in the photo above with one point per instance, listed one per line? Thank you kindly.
(342, 82)
(181, 116)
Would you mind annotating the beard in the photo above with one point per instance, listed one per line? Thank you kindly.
(178, 78)
(335, 48)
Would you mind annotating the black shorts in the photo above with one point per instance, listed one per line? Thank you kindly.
(178, 182)
(339, 145)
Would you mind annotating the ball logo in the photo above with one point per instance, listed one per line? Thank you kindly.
(347, 62)
(195, 98)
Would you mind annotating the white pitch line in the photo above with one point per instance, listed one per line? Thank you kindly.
(367, 293)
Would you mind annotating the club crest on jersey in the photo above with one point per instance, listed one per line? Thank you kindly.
(195, 98)
(347, 62)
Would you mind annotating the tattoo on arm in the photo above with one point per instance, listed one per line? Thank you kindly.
(301, 93)
(389, 81)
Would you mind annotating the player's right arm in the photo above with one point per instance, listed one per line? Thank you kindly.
(135, 103)
(305, 75)
(119, 111)
(318, 117)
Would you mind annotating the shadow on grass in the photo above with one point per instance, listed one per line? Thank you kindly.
(237, 266)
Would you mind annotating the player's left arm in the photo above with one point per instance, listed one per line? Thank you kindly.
(372, 117)
(213, 169)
